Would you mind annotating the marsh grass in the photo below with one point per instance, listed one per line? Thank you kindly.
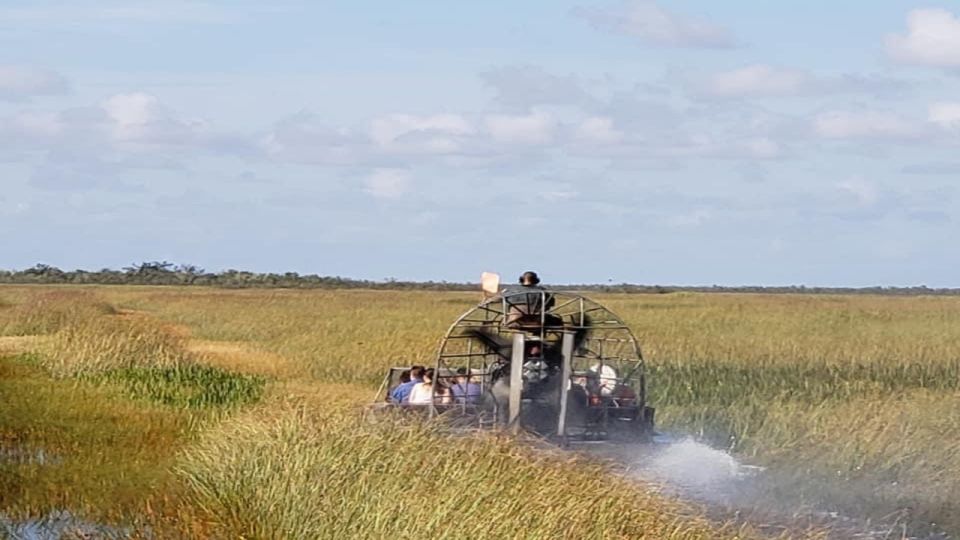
(851, 399)
(825, 387)
(106, 343)
(106, 455)
(146, 358)
(297, 472)
(191, 385)
(48, 312)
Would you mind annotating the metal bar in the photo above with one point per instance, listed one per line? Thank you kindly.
(433, 393)
(384, 386)
(465, 355)
(564, 304)
(482, 322)
(487, 309)
(543, 315)
(516, 381)
(566, 349)
(469, 378)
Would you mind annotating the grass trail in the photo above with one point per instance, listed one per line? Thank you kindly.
(163, 435)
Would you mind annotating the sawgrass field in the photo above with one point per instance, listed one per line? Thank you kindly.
(198, 412)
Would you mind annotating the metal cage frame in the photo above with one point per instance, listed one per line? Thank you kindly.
(536, 316)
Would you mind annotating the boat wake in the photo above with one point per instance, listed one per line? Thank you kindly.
(729, 489)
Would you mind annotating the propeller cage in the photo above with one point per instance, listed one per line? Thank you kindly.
(552, 362)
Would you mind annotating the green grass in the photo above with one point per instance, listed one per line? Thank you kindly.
(724, 388)
(851, 397)
(807, 385)
(106, 455)
(191, 386)
(105, 343)
(291, 471)
(108, 442)
(307, 470)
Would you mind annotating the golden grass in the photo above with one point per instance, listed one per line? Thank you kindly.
(243, 357)
(101, 344)
(858, 392)
(296, 472)
(258, 474)
(48, 311)
(103, 456)
(798, 383)
(13, 345)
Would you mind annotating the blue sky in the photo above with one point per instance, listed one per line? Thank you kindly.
(672, 142)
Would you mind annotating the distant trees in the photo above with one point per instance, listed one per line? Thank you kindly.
(167, 273)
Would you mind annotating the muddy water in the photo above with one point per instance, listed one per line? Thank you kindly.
(19, 455)
(730, 489)
(56, 525)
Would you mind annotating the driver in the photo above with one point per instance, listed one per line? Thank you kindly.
(528, 302)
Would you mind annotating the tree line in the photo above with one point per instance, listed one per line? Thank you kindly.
(167, 273)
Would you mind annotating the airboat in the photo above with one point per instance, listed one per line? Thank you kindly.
(551, 362)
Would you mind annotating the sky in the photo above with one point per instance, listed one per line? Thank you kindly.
(687, 142)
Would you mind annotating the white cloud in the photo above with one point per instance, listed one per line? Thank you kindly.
(141, 118)
(945, 114)
(387, 183)
(762, 148)
(712, 146)
(865, 125)
(932, 39)
(863, 192)
(598, 129)
(125, 131)
(169, 11)
(524, 87)
(129, 110)
(559, 196)
(18, 83)
(305, 138)
(652, 24)
(757, 80)
(11, 207)
(38, 124)
(762, 80)
(435, 134)
(688, 220)
(534, 128)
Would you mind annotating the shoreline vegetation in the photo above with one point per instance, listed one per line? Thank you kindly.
(185, 424)
(166, 273)
(232, 400)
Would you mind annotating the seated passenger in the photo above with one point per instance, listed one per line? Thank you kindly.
(465, 391)
(401, 394)
(404, 378)
(422, 392)
(606, 378)
(624, 396)
(443, 395)
(577, 390)
(625, 400)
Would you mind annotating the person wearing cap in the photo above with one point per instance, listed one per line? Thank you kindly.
(527, 301)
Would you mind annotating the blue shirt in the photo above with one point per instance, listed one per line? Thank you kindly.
(471, 391)
(401, 394)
